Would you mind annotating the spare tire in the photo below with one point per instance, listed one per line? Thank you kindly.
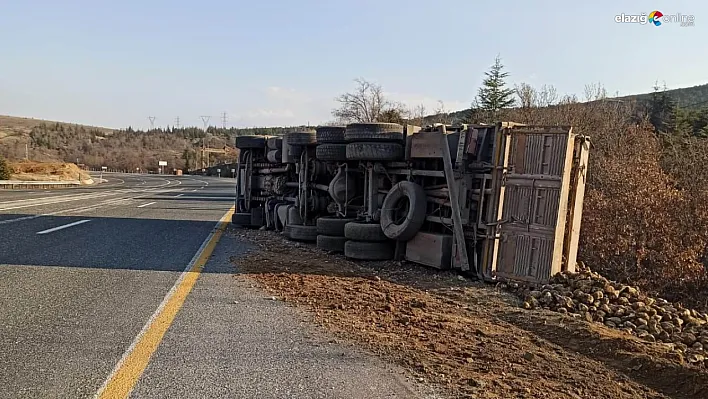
(244, 142)
(330, 134)
(373, 132)
(374, 152)
(330, 243)
(301, 138)
(364, 232)
(331, 152)
(298, 232)
(332, 226)
(368, 250)
(402, 194)
(275, 143)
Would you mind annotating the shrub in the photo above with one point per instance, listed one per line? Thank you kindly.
(5, 170)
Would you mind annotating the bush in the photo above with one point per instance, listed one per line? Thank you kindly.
(5, 170)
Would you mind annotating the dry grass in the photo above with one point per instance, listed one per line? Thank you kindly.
(14, 125)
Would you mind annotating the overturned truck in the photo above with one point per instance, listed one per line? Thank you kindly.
(500, 201)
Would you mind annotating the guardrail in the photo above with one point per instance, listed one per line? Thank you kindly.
(19, 184)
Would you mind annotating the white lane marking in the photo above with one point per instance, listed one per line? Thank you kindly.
(148, 204)
(194, 190)
(209, 198)
(178, 195)
(116, 201)
(63, 227)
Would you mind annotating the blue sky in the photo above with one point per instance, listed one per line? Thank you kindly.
(283, 62)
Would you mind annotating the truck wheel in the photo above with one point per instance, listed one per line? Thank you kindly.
(331, 152)
(403, 211)
(298, 232)
(330, 243)
(373, 132)
(294, 215)
(274, 143)
(241, 219)
(274, 156)
(368, 250)
(301, 138)
(374, 152)
(364, 232)
(332, 226)
(244, 142)
(330, 134)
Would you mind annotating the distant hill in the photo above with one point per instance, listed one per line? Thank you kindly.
(687, 97)
(692, 98)
(125, 149)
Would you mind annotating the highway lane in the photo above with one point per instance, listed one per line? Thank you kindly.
(81, 278)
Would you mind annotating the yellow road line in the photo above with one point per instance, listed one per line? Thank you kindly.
(127, 372)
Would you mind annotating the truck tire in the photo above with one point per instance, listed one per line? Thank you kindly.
(373, 132)
(332, 226)
(291, 154)
(330, 243)
(331, 152)
(241, 219)
(402, 194)
(301, 138)
(330, 134)
(364, 232)
(374, 152)
(368, 250)
(274, 143)
(298, 232)
(244, 142)
(274, 156)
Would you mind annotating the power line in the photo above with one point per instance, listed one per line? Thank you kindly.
(152, 122)
(205, 119)
(177, 122)
(223, 120)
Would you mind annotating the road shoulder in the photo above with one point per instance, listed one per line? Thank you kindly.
(231, 339)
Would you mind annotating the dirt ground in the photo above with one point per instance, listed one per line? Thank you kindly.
(48, 171)
(469, 339)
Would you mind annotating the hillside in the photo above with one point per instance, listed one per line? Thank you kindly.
(690, 99)
(125, 149)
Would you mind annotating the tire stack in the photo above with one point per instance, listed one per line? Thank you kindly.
(274, 147)
(331, 144)
(374, 142)
(294, 143)
(330, 233)
(366, 241)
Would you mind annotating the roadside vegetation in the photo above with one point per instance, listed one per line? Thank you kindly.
(5, 171)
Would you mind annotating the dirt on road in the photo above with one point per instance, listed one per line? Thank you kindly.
(468, 338)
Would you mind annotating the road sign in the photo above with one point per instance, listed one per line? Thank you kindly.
(218, 171)
(233, 170)
(104, 168)
(162, 163)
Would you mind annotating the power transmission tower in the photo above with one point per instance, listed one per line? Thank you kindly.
(177, 122)
(223, 120)
(152, 122)
(205, 162)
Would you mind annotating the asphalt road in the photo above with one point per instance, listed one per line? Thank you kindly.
(85, 271)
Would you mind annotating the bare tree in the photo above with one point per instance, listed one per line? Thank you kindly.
(527, 95)
(441, 114)
(547, 96)
(367, 103)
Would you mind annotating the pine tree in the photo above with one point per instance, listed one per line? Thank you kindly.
(494, 96)
(662, 110)
(4, 169)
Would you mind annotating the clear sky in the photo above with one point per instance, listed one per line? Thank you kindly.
(283, 62)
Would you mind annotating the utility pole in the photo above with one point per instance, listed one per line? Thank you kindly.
(205, 119)
(152, 122)
(177, 122)
(223, 120)
(27, 151)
